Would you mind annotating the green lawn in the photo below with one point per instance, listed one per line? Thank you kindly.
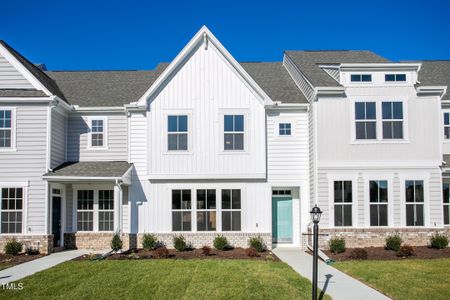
(403, 279)
(165, 279)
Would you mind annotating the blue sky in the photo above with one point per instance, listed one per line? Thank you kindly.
(128, 34)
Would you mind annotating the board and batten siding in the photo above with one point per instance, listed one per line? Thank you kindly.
(10, 78)
(28, 162)
(205, 88)
(58, 139)
(117, 137)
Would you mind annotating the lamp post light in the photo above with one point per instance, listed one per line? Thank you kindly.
(315, 217)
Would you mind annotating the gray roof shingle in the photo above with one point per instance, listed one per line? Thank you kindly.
(38, 73)
(436, 72)
(308, 62)
(274, 79)
(91, 169)
(21, 93)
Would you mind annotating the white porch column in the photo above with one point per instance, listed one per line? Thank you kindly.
(117, 206)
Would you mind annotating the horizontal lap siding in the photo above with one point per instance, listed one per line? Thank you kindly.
(28, 162)
(78, 130)
(10, 78)
(58, 148)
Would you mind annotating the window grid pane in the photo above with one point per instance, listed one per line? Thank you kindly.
(365, 117)
(11, 207)
(97, 133)
(414, 202)
(285, 129)
(447, 125)
(177, 139)
(206, 210)
(5, 128)
(233, 132)
(106, 210)
(181, 210)
(392, 113)
(231, 210)
(343, 203)
(85, 210)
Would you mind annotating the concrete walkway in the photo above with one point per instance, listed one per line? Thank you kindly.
(338, 285)
(37, 265)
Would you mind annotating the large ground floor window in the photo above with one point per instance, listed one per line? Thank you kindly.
(378, 202)
(414, 197)
(11, 210)
(446, 203)
(95, 210)
(343, 200)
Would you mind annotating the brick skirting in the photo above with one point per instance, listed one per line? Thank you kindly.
(198, 240)
(375, 237)
(42, 242)
(96, 240)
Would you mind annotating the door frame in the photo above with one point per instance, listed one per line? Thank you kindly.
(61, 187)
(292, 217)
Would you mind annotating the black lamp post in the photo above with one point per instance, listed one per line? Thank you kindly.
(315, 216)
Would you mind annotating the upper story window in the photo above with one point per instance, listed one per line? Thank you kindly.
(392, 120)
(284, 129)
(447, 126)
(6, 128)
(233, 132)
(394, 77)
(97, 132)
(361, 78)
(177, 133)
(365, 120)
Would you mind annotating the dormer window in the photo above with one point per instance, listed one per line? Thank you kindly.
(394, 77)
(361, 78)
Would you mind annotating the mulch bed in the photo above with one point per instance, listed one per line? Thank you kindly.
(7, 261)
(380, 253)
(235, 253)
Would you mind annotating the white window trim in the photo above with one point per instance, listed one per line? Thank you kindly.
(395, 82)
(378, 177)
(343, 177)
(95, 188)
(190, 123)
(105, 133)
(24, 186)
(444, 111)
(284, 121)
(13, 129)
(192, 210)
(379, 119)
(426, 203)
(360, 82)
(221, 131)
(106, 210)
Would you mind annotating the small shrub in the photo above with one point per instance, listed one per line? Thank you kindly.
(337, 245)
(116, 243)
(31, 251)
(439, 241)
(161, 252)
(220, 242)
(206, 250)
(406, 251)
(257, 243)
(179, 243)
(149, 241)
(251, 252)
(358, 253)
(13, 247)
(394, 242)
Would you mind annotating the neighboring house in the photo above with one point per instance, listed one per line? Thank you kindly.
(206, 145)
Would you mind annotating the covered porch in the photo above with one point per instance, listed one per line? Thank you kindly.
(88, 203)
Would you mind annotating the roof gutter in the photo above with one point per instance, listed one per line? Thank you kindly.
(431, 90)
(381, 66)
(77, 108)
(324, 91)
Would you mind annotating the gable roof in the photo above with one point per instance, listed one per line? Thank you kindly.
(46, 81)
(275, 80)
(436, 73)
(104, 88)
(308, 63)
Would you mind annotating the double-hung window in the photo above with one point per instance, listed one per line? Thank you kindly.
(394, 77)
(97, 132)
(414, 202)
(343, 203)
(85, 210)
(233, 132)
(231, 210)
(181, 210)
(446, 200)
(177, 133)
(106, 210)
(392, 120)
(6, 129)
(378, 202)
(365, 120)
(360, 78)
(447, 126)
(284, 129)
(206, 210)
(12, 206)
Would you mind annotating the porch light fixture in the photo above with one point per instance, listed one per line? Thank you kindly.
(315, 217)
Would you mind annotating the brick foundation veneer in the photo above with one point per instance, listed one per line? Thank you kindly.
(375, 237)
(96, 240)
(198, 240)
(42, 242)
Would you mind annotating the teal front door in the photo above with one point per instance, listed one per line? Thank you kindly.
(282, 219)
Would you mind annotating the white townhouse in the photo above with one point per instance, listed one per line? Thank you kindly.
(206, 145)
